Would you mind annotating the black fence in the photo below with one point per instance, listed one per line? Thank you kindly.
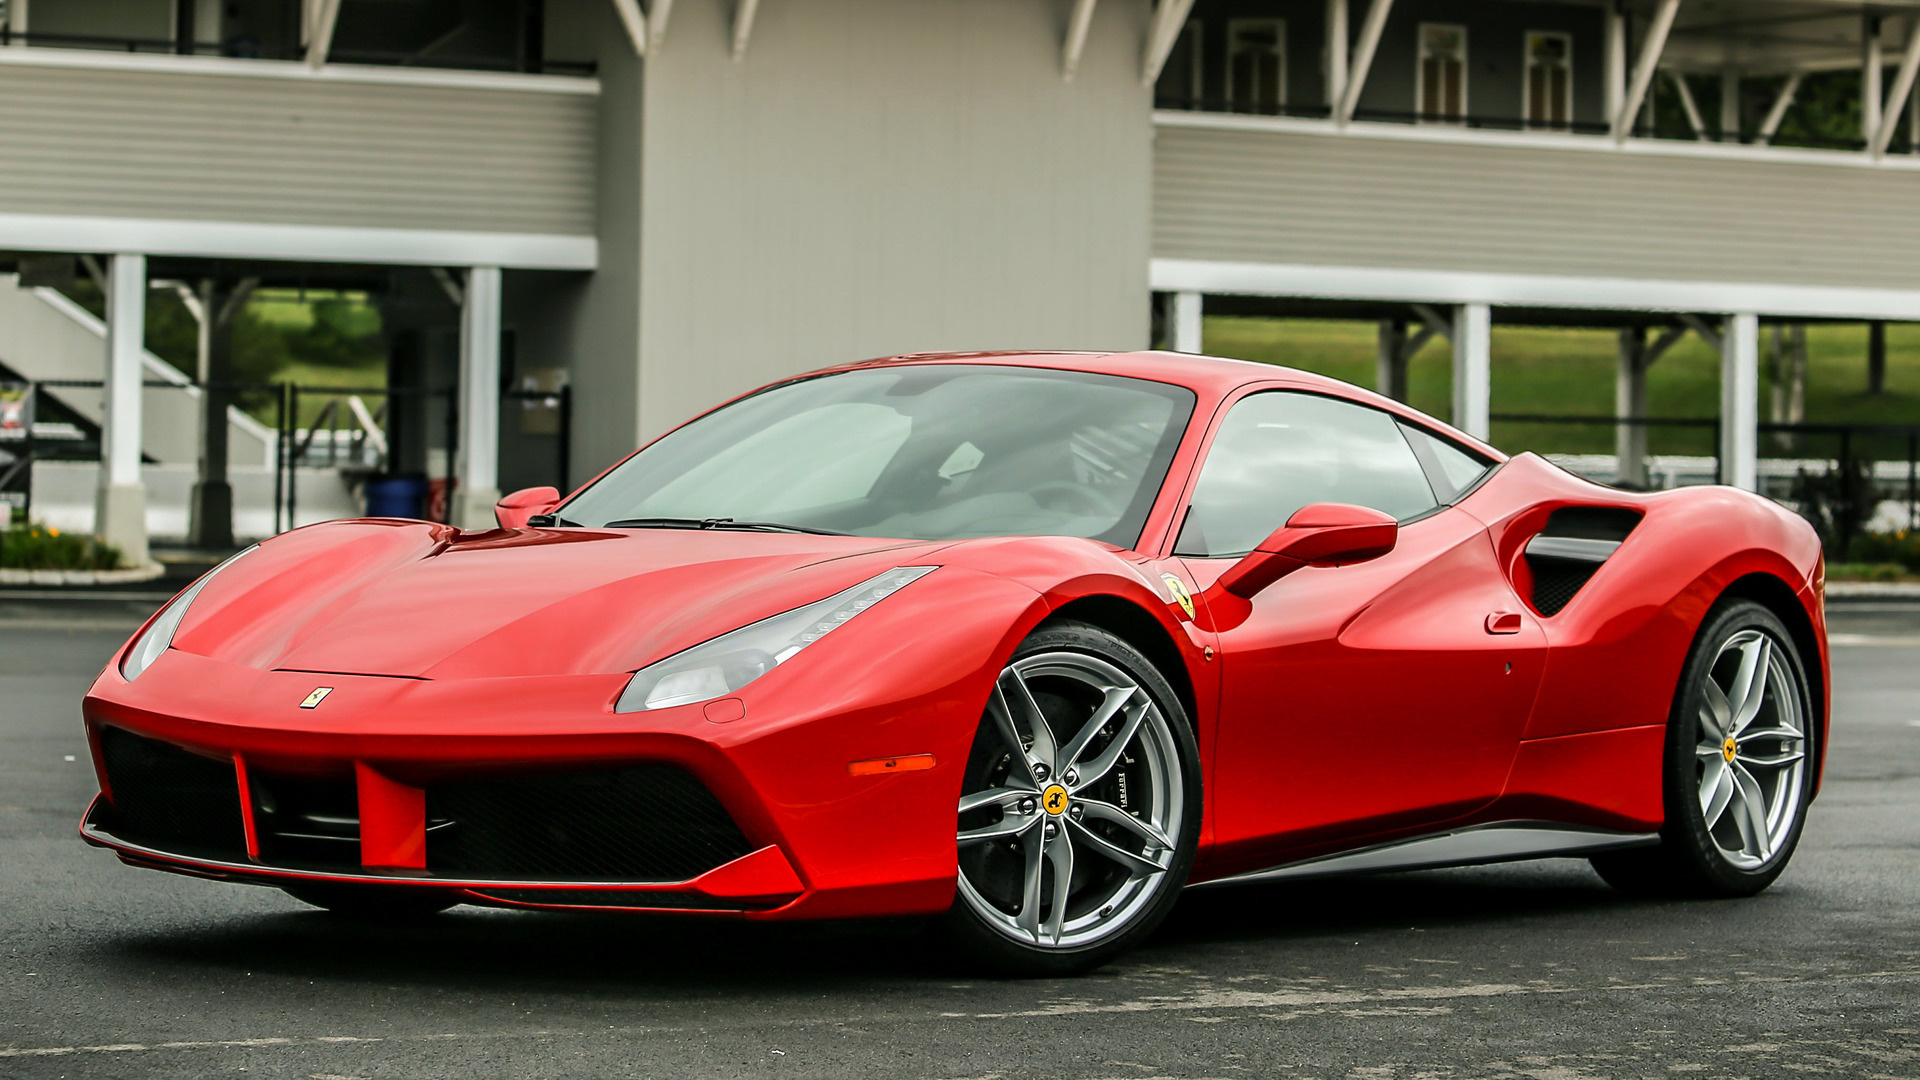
(1838, 475)
(313, 426)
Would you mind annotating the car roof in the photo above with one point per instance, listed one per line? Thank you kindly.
(1211, 377)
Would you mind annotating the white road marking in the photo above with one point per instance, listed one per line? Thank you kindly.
(1876, 640)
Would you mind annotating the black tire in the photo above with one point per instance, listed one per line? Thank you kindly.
(966, 932)
(1689, 861)
(374, 903)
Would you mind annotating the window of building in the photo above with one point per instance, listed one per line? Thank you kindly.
(1181, 84)
(1257, 65)
(1548, 95)
(1441, 91)
(1279, 451)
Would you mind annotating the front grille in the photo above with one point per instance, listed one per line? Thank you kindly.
(171, 799)
(643, 824)
(306, 823)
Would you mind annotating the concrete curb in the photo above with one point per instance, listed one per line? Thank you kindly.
(57, 578)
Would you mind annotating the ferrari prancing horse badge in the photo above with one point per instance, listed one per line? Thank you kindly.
(1178, 590)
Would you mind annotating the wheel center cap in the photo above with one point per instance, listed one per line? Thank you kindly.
(1728, 749)
(1055, 799)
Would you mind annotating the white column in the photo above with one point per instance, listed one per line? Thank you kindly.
(1473, 369)
(120, 502)
(1740, 402)
(1338, 44)
(1870, 80)
(477, 474)
(1187, 308)
(1630, 402)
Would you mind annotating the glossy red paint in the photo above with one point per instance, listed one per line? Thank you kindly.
(1336, 706)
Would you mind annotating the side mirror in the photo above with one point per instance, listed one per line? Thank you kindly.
(1322, 534)
(513, 511)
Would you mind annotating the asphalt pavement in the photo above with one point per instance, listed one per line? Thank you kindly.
(1531, 970)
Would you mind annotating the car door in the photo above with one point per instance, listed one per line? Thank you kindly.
(1366, 698)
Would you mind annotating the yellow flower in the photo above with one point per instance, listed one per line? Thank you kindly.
(53, 532)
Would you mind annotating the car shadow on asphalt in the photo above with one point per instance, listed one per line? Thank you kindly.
(646, 955)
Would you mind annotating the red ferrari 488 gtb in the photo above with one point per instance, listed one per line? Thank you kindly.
(1024, 642)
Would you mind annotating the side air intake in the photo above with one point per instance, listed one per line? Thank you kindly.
(1565, 554)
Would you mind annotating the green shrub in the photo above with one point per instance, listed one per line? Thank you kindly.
(1901, 547)
(37, 547)
(1865, 571)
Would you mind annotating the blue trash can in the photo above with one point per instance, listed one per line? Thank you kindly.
(396, 496)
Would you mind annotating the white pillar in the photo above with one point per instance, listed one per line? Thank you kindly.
(1740, 402)
(1630, 401)
(1473, 369)
(1338, 45)
(1870, 80)
(1187, 309)
(477, 475)
(120, 502)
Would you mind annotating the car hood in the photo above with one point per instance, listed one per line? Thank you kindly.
(419, 601)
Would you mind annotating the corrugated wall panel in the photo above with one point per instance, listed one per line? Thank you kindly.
(155, 144)
(1292, 198)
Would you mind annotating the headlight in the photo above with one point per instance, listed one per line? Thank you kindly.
(734, 659)
(159, 634)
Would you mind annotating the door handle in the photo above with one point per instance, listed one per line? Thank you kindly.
(1503, 622)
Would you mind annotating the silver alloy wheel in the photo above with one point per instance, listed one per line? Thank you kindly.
(1751, 752)
(1089, 797)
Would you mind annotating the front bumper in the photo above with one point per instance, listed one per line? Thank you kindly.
(376, 765)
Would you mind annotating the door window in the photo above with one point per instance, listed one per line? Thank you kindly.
(1452, 468)
(1279, 451)
(1257, 65)
(1442, 87)
(1549, 92)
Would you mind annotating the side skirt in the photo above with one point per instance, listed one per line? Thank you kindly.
(1501, 841)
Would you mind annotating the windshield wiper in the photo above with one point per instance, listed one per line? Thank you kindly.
(716, 523)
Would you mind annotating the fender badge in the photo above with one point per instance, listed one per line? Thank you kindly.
(314, 699)
(1178, 590)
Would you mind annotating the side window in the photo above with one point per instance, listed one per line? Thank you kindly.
(1279, 451)
(1452, 468)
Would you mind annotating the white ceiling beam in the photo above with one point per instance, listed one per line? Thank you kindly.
(1871, 62)
(1781, 103)
(320, 36)
(635, 23)
(1077, 26)
(1897, 93)
(1707, 331)
(1644, 67)
(657, 22)
(743, 14)
(1362, 62)
(1168, 18)
(1688, 106)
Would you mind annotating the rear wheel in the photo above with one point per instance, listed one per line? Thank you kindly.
(1739, 764)
(1079, 810)
(374, 903)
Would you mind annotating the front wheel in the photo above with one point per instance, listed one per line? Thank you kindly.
(1739, 764)
(1079, 810)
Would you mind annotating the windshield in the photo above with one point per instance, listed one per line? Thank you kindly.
(932, 452)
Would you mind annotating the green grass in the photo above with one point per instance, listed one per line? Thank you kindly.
(1555, 371)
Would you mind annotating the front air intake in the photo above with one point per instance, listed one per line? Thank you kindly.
(170, 799)
(650, 823)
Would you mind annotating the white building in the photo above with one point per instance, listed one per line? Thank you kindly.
(673, 202)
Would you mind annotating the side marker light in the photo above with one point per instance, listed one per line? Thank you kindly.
(882, 766)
